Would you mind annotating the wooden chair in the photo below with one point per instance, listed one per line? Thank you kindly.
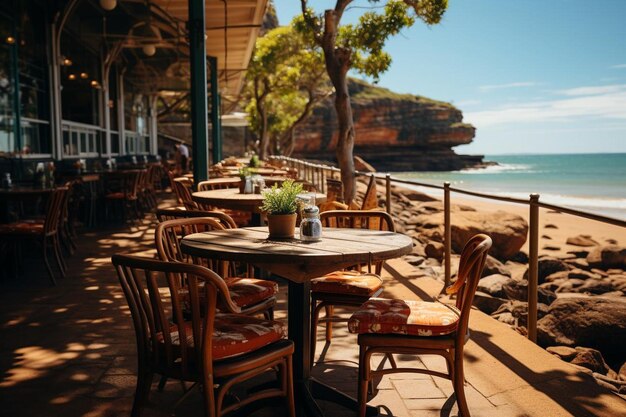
(179, 335)
(334, 190)
(350, 287)
(370, 200)
(125, 194)
(251, 294)
(183, 188)
(209, 185)
(421, 327)
(174, 213)
(241, 218)
(45, 232)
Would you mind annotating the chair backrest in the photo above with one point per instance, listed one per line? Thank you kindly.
(224, 183)
(370, 200)
(172, 214)
(169, 234)
(55, 210)
(161, 297)
(471, 267)
(183, 191)
(306, 185)
(357, 219)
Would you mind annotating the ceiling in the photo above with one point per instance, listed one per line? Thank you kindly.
(242, 19)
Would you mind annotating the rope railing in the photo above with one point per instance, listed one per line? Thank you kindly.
(317, 174)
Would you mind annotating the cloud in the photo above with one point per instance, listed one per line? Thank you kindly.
(618, 66)
(598, 102)
(509, 85)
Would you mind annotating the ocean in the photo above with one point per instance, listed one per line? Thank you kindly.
(593, 183)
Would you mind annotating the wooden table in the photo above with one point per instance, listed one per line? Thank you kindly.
(21, 195)
(231, 198)
(299, 262)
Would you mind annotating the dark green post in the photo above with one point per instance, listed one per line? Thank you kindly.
(216, 121)
(15, 72)
(199, 120)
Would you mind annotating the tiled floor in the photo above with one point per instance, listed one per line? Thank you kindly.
(69, 350)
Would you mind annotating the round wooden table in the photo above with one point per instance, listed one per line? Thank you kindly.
(21, 196)
(299, 262)
(231, 198)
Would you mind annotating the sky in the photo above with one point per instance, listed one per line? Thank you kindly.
(533, 76)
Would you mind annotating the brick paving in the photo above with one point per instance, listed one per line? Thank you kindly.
(69, 350)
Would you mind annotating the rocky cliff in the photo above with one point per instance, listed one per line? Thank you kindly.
(395, 132)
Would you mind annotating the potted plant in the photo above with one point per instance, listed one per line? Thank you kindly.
(281, 205)
(243, 173)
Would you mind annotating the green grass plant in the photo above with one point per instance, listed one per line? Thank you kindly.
(281, 200)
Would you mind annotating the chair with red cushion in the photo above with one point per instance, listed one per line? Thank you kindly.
(45, 231)
(351, 287)
(251, 294)
(421, 327)
(180, 335)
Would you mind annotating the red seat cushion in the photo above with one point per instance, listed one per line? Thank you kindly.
(234, 334)
(22, 227)
(250, 291)
(416, 318)
(348, 282)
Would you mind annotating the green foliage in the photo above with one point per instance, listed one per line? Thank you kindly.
(244, 172)
(286, 77)
(254, 161)
(281, 200)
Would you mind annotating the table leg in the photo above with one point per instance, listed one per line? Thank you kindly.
(307, 388)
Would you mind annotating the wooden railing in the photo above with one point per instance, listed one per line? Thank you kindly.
(317, 174)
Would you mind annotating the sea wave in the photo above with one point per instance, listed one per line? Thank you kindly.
(574, 201)
(495, 169)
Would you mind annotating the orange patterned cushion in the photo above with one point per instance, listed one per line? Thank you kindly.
(348, 282)
(416, 318)
(250, 291)
(234, 334)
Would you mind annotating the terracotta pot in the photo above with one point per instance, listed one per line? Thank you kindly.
(242, 185)
(282, 226)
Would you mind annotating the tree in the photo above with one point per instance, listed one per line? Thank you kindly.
(359, 46)
(285, 80)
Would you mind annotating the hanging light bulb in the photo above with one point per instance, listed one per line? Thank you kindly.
(149, 50)
(108, 5)
(84, 75)
(67, 62)
(71, 77)
(10, 40)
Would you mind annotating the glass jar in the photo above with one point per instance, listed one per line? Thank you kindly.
(310, 226)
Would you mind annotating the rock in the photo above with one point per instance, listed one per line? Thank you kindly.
(595, 286)
(548, 265)
(569, 285)
(560, 275)
(566, 353)
(508, 231)
(492, 284)
(581, 240)
(520, 257)
(519, 310)
(622, 372)
(578, 263)
(506, 318)
(413, 195)
(486, 303)
(550, 226)
(551, 247)
(590, 359)
(594, 322)
(546, 237)
(414, 260)
(579, 253)
(494, 266)
(434, 250)
(518, 290)
(581, 274)
(611, 241)
(606, 257)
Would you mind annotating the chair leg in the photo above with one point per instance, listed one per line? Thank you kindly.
(330, 311)
(291, 406)
(458, 383)
(315, 317)
(269, 314)
(209, 398)
(44, 245)
(142, 391)
(363, 382)
(57, 255)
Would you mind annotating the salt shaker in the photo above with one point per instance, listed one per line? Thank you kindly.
(310, 226)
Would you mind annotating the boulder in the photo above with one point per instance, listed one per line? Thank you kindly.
(606, 257)
(581, 253)
(578, 263)
(494, 266)
(486, 303)
(518, 290)
(581, 240)
(596, 286)
(492, 285)
(598, 323)
(566, 353)
(508, 231)
(622, 372)
(414, 260)
(569, 285)
(434, 250)
(590, 359)
(548, 265)
(519, 311)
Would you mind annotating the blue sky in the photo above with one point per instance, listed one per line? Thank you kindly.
(533, 76)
